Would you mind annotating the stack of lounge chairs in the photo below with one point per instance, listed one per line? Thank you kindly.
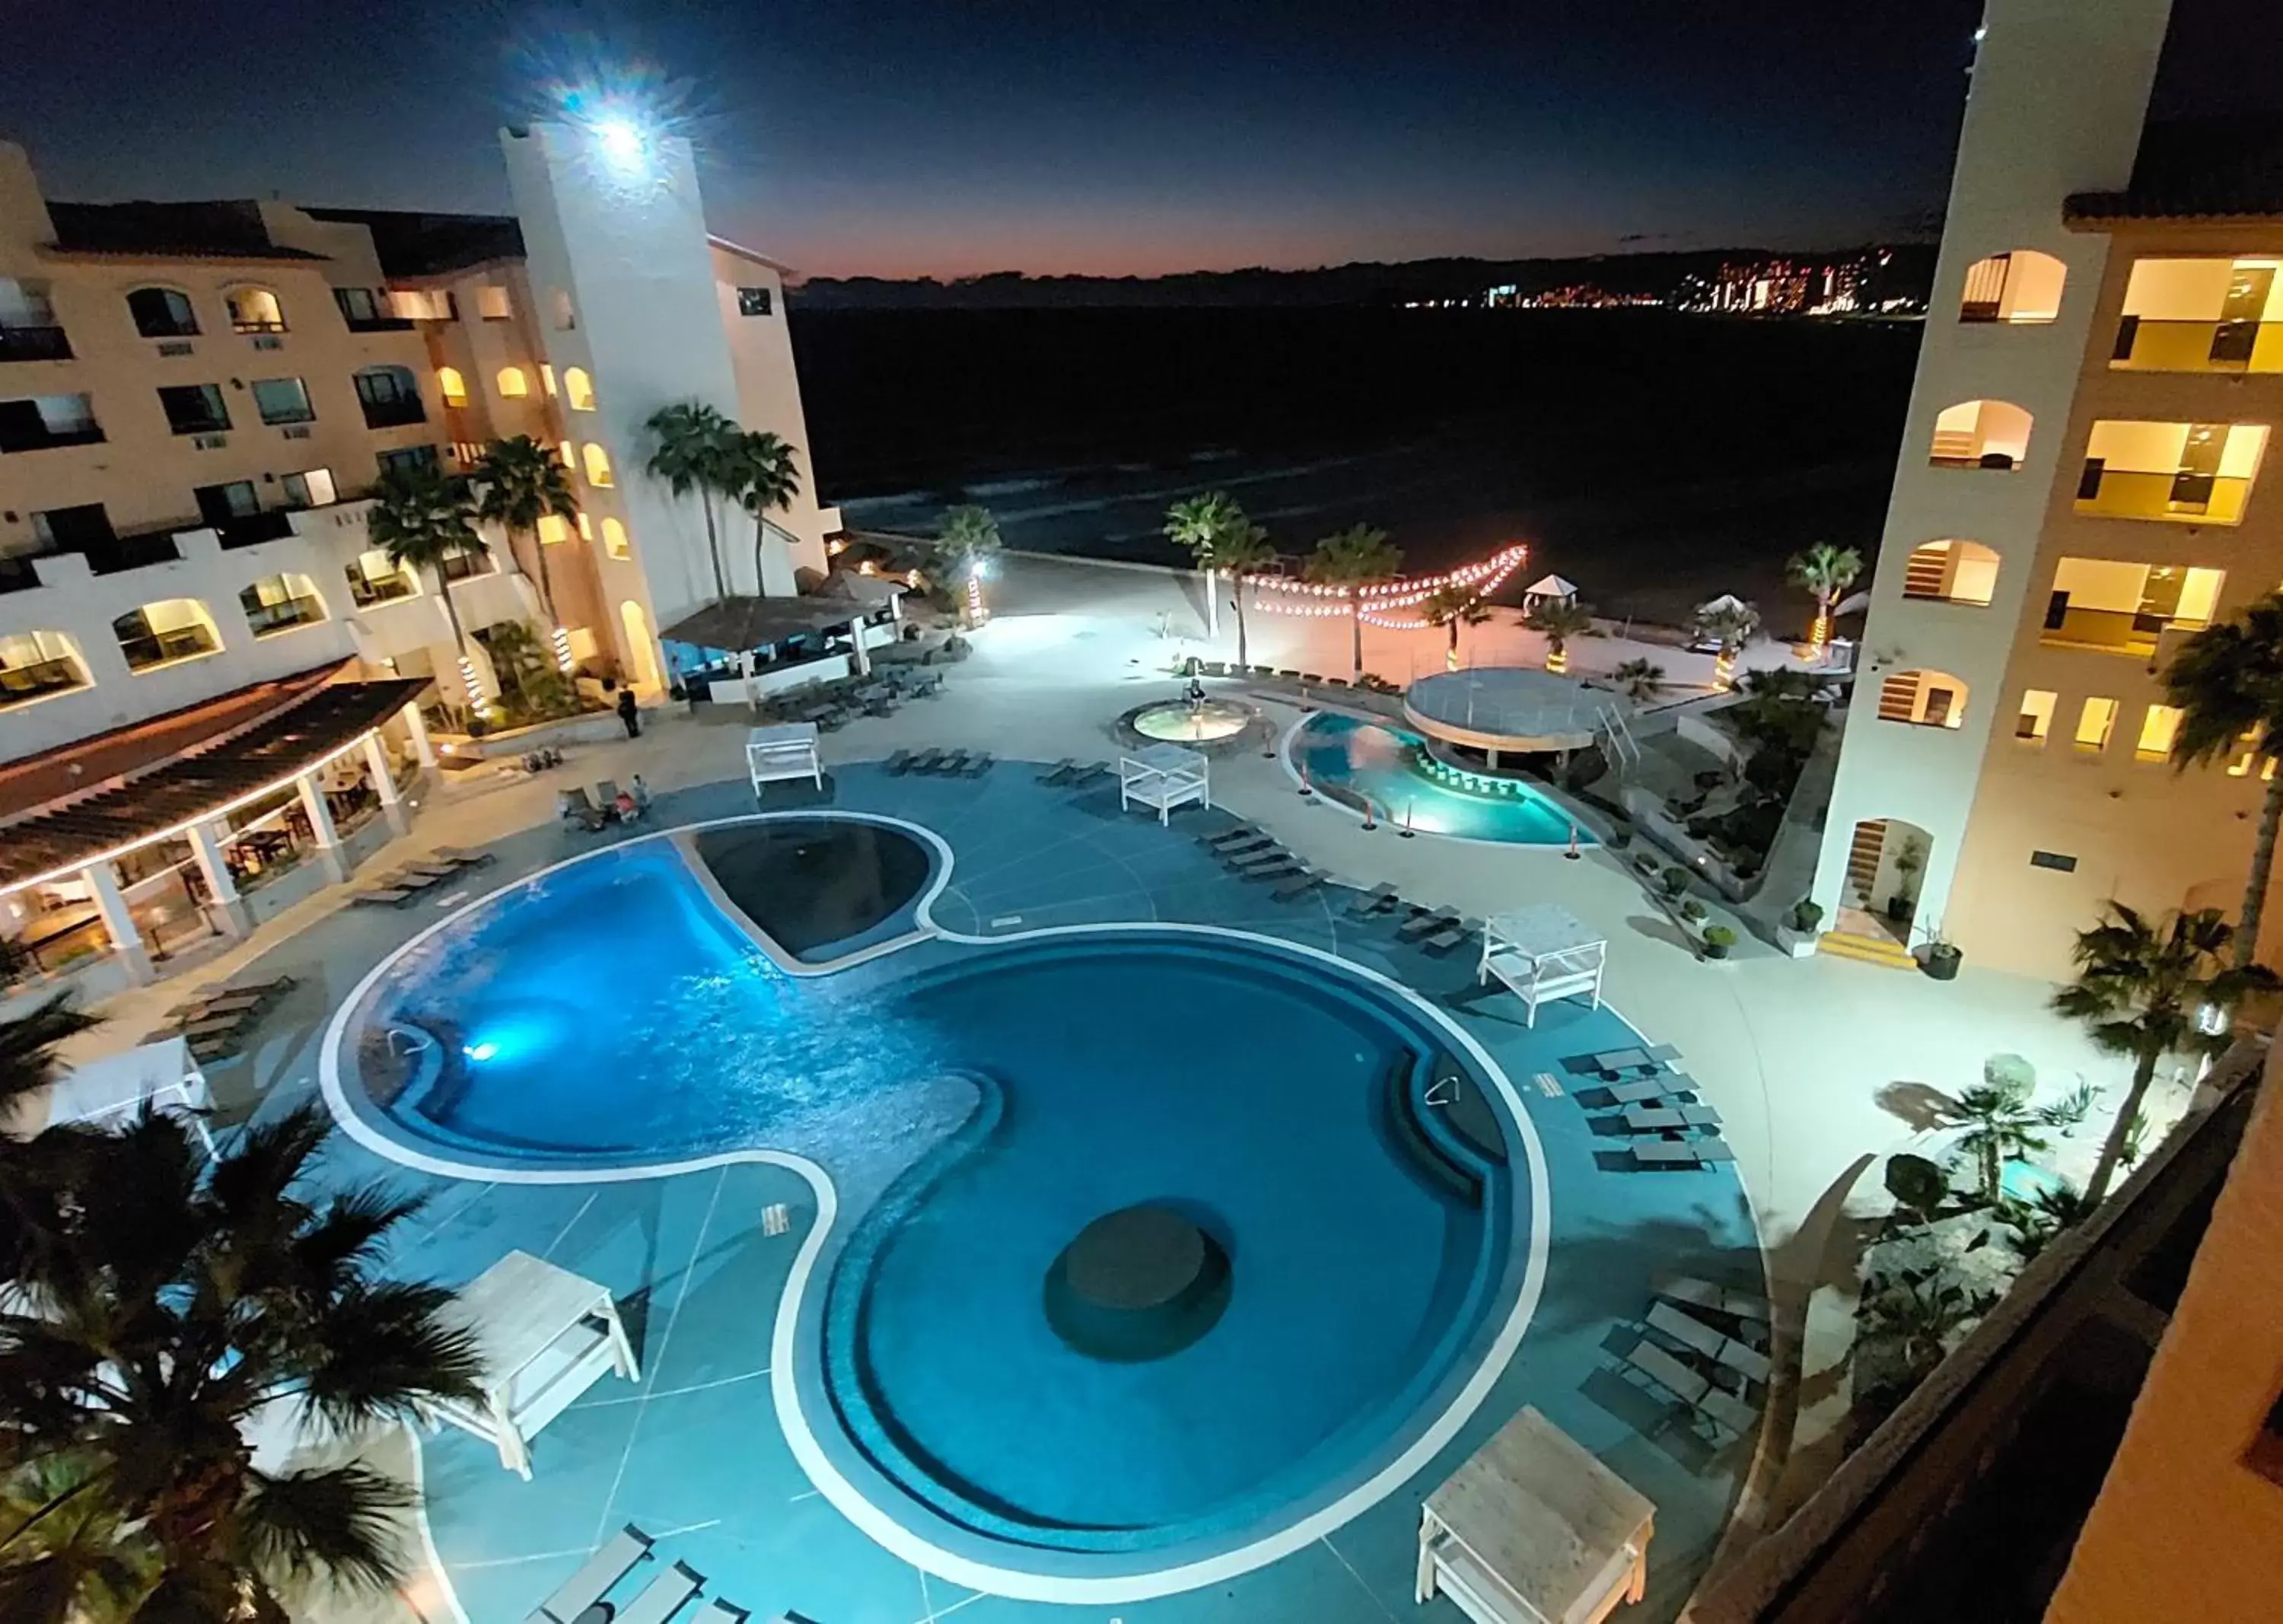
(216, 1024)
(1250, 852)
(1071, 773)
(1706, 1347)
(400, 885)
(1657, 1109)
(940, 763)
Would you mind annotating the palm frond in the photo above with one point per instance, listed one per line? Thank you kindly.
(378, 1352)
(339, 1523)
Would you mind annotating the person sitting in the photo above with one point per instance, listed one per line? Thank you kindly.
(627, 808)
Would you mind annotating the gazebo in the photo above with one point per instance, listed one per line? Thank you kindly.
(1548, 589)
(1542, 952)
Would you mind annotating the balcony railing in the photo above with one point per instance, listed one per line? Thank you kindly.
(2179, 497)
(285, 616)
(379, 323)
(40, 438)
(252, 529)
(2111, 631)
(198, 423)
(157, 647)
(17, 575)
(33, 344)
(18, 683)
(366, 590)
(394, 414)
(116, 554)
(2145, 346)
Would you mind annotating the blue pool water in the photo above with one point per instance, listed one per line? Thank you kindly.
(1348, 754)
(976, 1110)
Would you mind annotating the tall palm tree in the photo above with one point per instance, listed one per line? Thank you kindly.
(765, 479)
(422, 518)
(519, 482)
(1558, 620)
(1453, 606)
(967, 539)
(1824, 572)
(180, 1295)
(1352, 559)
(1241, 552)
(2000, 1125)
(2141, 989)
(2227, 683)
(1730, 622)
(1220, 538)
(691, 451)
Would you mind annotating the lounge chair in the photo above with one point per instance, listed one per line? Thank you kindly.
(662, 1595)
(1251, 845)
(1307, 880)
(573, 807)
(977, 764)
(1283, 865)
(1237, 836)
(1724, 1409)
(1697, 1294)
(1379, 899)
(1702, 1152)
(924, 762)
(382, 896)
(1423, 924)
(431, 873)
(606, 798)
(414, 877)
(219, 1026)
(950, 764)
(1088, 773)
(1641, 1091)
(1449, 937)
(457, 858)
(1060, 772)
(1256, 856)
(898, 764)
(217, 1004)
(614, 1562)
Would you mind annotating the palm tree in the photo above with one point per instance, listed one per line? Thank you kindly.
(2227, 683)
(179, 1294)
(1824, 572)
(519, 482)
(38, 1174)
(2142, 989)
(2000, 1127)
(1454, 606)
(1558, 620)
(765, 479)
(1352, 559)
(424, 519)
(1641, 679)
(1729, 622)
(691, 452)
(1221, 539)
(967, 539)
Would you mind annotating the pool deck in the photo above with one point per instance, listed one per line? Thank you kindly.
(1817, 1066)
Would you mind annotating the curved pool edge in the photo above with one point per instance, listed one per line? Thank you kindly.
(931, 1549)
(1292, 776)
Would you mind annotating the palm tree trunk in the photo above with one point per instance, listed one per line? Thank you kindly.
(451, 611)
(714, 551)
(1236, 584)
(546, 582)
(1355, 620)
(2262, 866)
(2112, 1150)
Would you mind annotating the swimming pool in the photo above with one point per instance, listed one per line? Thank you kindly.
(1348, 755)
(977, 1107)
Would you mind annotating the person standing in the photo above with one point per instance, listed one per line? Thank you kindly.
(628, 713)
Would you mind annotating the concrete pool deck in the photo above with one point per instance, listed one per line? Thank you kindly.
(1817, 1066)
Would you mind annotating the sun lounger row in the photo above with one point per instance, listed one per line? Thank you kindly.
(1724, 1412)
(580, 1596)
(400, 885)
(940, 763)
(1071, 773)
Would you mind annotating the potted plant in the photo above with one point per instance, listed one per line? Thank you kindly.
(1718, 940)
(1675, 881)
(1797, 929)
(1908, 861)
(1692, 910)
(1940, 959)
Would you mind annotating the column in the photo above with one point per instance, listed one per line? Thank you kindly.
(321, 825)
(422, 750)
(861, 656)
(1212, 606)
(229, 908)
(384, 784)
(103, 884)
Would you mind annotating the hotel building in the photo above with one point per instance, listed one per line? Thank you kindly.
(206, 668)
(2085, 480)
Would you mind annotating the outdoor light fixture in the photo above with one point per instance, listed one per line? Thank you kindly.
(468, 681)
(1818, 634)
(563, 650)
(480, 1051)
(621, 140)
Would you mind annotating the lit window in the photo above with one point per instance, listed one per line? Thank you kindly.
(2158, 725)
(1923, 698)
(2036, 714)
(1951, 572)
(161, 633)
(547, 378)
(512, 383)
(280, 602)
(579, 389)
(492, 303)
(1980, 435)
(455, 387)
(254, 309)
(2187, 473)
(570, 457)
(614, 539)
(598, 465)
(2124, 608)
(2023, 286)
(2095, 723)
(586, 527)
(311, 487)
(552, 530)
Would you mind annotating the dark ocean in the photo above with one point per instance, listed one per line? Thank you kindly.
(1654, 459)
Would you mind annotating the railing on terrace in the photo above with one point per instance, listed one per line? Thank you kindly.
(464, 565)
(2145, 346)
(37, 679)
(17, 575)
(394, 414)
(285, 616)
(379, 323)
(365, 591)
(2110, 631)
(2181, 498)
(251, 529)
(116, 554)
(33, 344)
(157, 648)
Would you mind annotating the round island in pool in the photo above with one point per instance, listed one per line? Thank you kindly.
(1352, 761)
(1507, 710)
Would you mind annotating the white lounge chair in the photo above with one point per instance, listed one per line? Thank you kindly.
(614, 1562)
(662, 1595)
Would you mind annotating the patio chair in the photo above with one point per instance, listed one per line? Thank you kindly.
(614, 1562)
(573, 807)
(662, 1595)
(1380, 898)
(1060, 772)
(978, 762)
(1307, 880)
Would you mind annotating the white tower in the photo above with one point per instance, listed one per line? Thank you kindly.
(2059, 91)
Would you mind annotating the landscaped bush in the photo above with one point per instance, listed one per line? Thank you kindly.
(1718, 940)
(1676, 880)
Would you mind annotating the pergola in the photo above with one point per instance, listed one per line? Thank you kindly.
(1542, 952)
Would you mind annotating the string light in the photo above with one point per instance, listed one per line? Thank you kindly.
(1369, 602)
(563, 650)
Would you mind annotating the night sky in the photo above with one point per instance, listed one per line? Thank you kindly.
(893, 138)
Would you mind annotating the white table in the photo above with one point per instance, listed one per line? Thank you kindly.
(1163, 777)
(544, 1336)
(1540, 952)
(785, 751)
(1534, 1530)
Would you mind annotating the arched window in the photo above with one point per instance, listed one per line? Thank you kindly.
(598, 466)
(280, 602)
(454, 386)
(1981, 434)
(512, 384)
(614, 539)
(1923, 699)
(35, 664)
(254, 309)
(579, 389)
(162, 313)
(1951, 572)
(163, 633)
(2022, 287)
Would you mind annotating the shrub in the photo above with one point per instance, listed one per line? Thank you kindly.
(1691, 910)
(1805, 915)
(1718, 940)
(1676, 880)
(1920, 1187)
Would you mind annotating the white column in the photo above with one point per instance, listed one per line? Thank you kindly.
(321, 825)
(229, 906)
(384, 784)
(422, 750)
(862, 656)
(103, 884)
(1212, 606)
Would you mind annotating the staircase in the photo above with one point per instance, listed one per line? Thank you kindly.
(1899, 698)
(1956, 445)
(1923, 575)
(1863, 857)
(1884, 951)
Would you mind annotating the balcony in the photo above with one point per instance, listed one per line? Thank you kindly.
(252, 529)
(17, 575)
(35, 436)
(158, 648)
(116, 555)
(2180, 497)
(2230, 349)
(20, 685)
(394, 414)
(2106, 631)
(380, 324)
(466, 565)
(33, 344)
(283, 615)
(366, 590)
